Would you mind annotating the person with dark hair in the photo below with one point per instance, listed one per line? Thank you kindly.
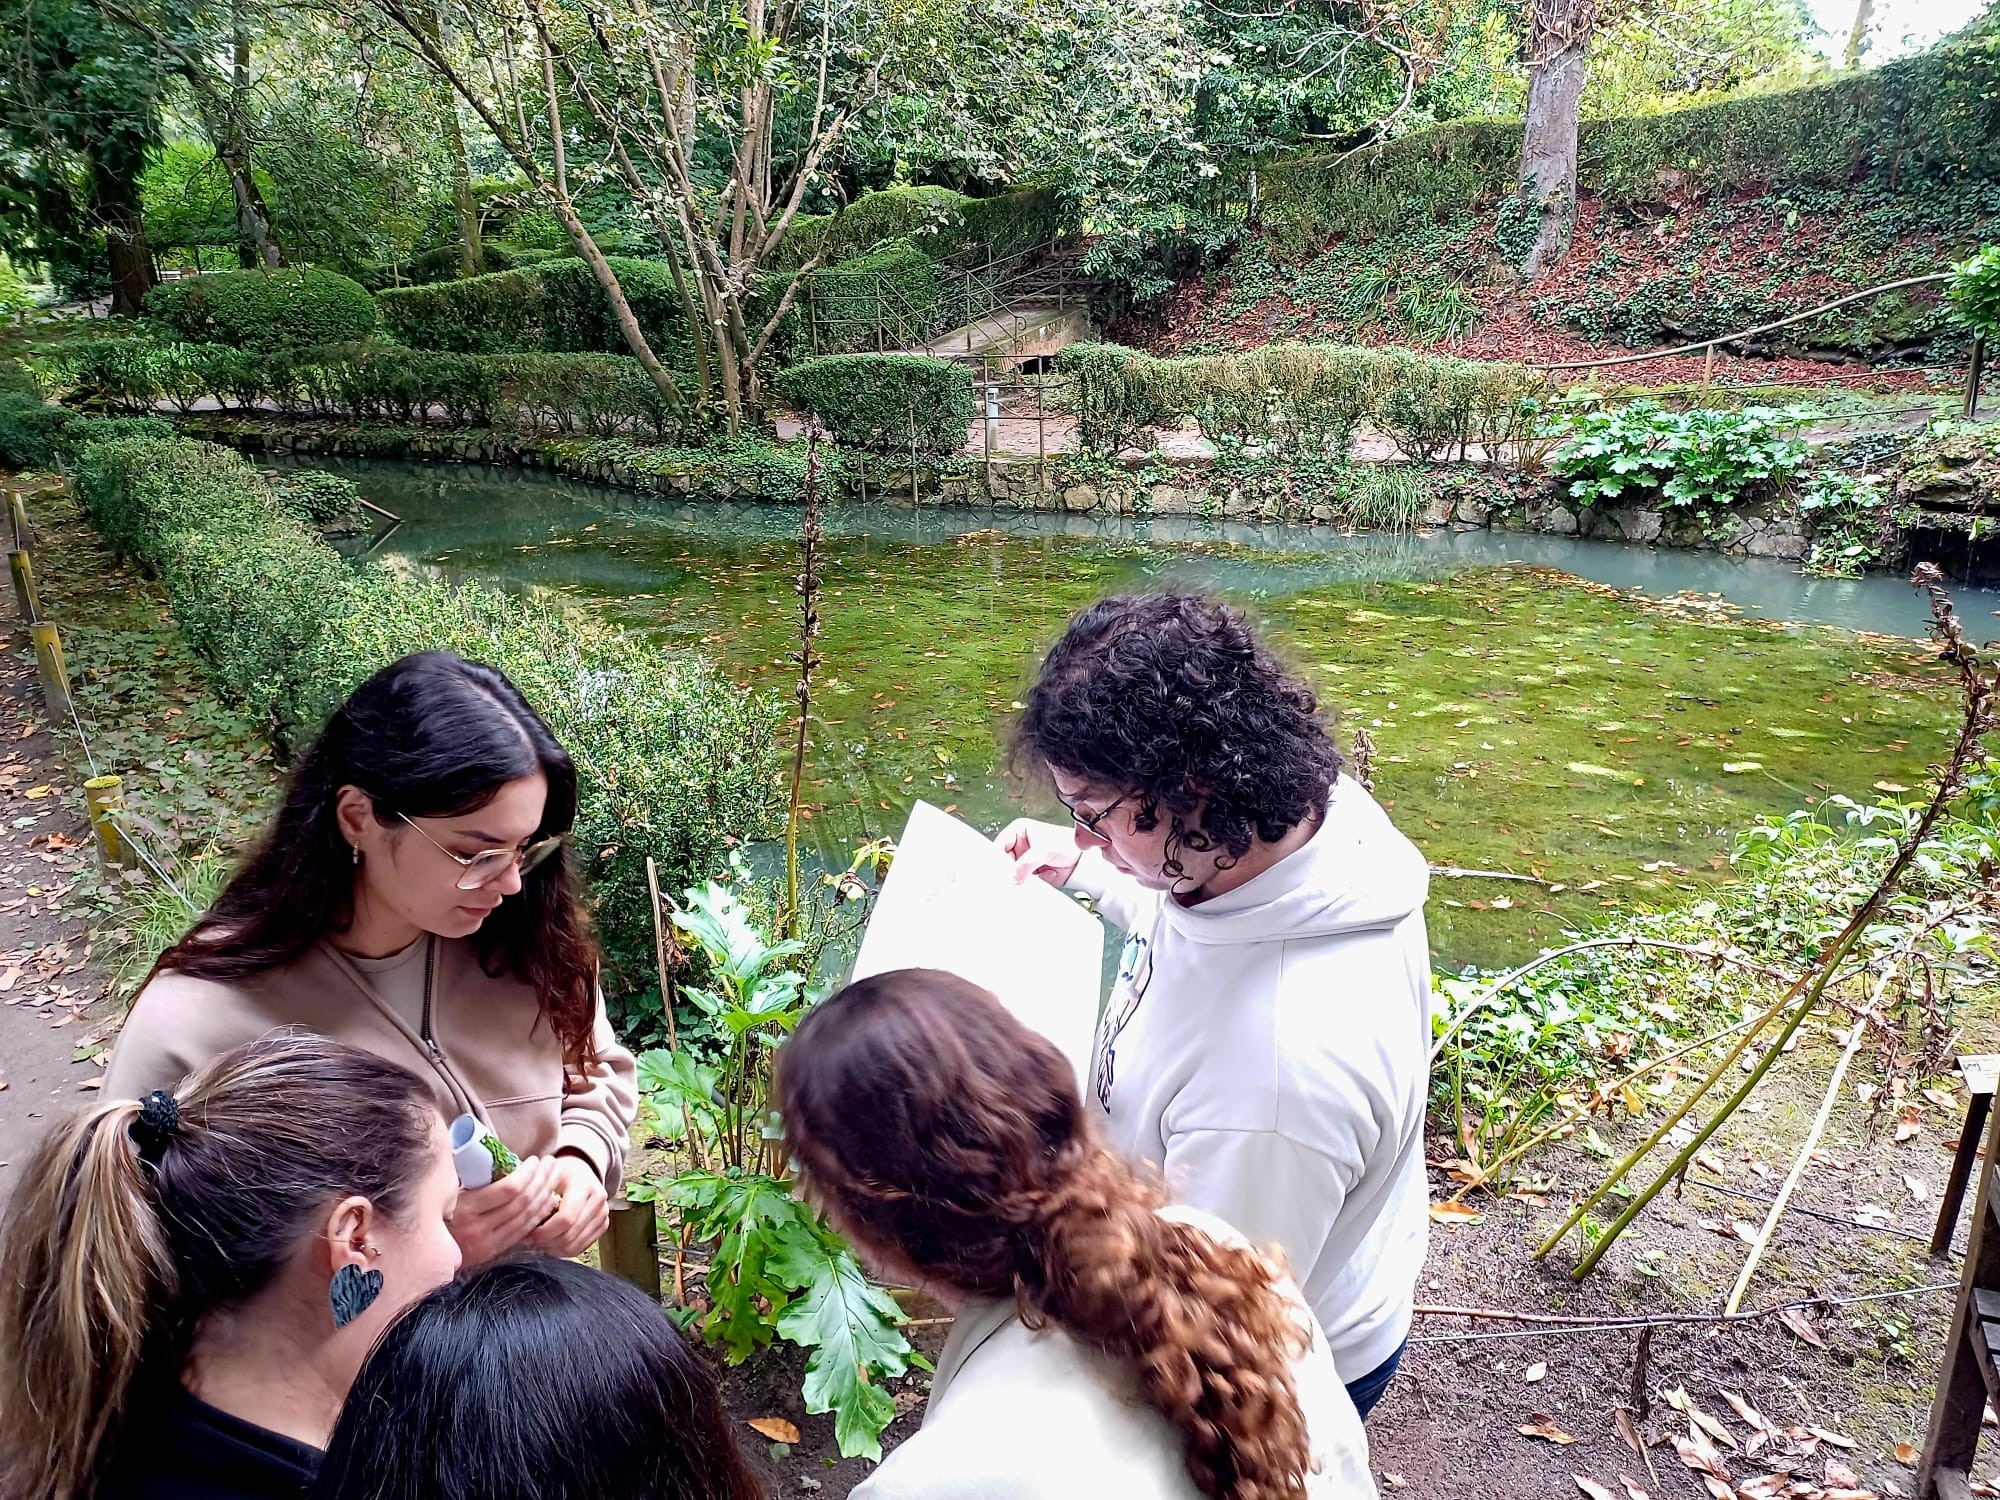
(472, 1395)
(1267, 1040)
(414, 897)
(192, 1279)
(1102, 1343)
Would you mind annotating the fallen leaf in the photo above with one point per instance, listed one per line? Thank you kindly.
(1795, 1318)
(1906, 1454)
(1395, 1482)
(1534, 1373)
(1592, 1488)
(1839, 1440)
(1455, 1213)
(1840, 1476)
(1700, 1455)
(777, 1429)
(1919, 1189)
(1541, 1425)
(1633, 1489)
(1629, 1430)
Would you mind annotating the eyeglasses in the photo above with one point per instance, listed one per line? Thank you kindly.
(489, 865)
(1088, 821)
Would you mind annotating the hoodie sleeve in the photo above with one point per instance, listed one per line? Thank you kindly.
(599, 1105)
(1277, 1193)
(1122, 899)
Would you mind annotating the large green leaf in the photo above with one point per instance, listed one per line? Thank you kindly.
(855, 1334)
(750, 1217)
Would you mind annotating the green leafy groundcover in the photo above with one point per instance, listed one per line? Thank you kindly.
(885, 403)
(673, 760)
(294, 307)
(1700, 459)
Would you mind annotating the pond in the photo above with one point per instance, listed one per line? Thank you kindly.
(1531, 714)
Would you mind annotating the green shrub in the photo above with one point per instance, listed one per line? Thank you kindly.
(1301, 399)
(742, 468)
(372, 380)
(886, 403)
(673, 760)
(1703, 459)
(946, 226)
(1975, 292)
(317, 497)
(291, 308)
(37, 435)
(553, 306)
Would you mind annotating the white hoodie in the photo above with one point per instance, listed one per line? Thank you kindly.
(1274, 1061)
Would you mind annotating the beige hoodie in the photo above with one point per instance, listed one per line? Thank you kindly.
(487, 1050)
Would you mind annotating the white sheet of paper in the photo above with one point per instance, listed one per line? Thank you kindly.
(951, 902)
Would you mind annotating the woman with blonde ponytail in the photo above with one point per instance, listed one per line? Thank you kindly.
(193, 1279)
(1103, 1344)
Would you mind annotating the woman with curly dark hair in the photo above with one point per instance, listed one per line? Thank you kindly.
(1102, 1344)
(1267, 1042)
(413, 896)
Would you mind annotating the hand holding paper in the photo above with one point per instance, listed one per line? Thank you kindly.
(952, 902)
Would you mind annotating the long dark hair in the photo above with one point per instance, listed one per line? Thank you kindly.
(124, 1234)
(936, 1125)
(1174, 697)
(430, 736)
(534, 1379)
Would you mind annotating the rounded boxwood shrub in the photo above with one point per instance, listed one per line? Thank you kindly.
(295, 307)
(885, 402)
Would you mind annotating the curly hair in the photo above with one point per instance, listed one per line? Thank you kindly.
(975, 1162)
(1174, 698)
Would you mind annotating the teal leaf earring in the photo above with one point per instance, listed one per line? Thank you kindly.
(353, 1292)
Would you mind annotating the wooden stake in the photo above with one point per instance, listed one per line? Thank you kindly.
(104, 796)
(1972, 375)
(55, 673)
(1708, 367)
(630, 1248)
(17, 508)
(25, 598)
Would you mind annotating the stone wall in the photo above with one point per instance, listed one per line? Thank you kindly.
(1024, 484)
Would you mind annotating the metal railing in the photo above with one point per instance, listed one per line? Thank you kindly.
(849, 312)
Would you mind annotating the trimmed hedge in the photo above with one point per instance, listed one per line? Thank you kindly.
(597, 393)
(1302, 399)
(885, 403)
(943, 224)
(553, 307)
(291, 308)
(1925, 120)
(673, 760)
(36, 435)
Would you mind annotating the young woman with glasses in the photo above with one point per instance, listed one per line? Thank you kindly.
(413, 897)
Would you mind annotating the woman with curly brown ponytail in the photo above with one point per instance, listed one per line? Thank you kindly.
(1103, 1344)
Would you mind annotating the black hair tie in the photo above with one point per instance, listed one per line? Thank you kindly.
(159, 1122)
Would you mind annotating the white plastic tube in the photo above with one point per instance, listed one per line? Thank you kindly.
(478, 1153)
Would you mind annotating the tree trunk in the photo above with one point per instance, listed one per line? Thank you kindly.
(253, 216)
(1558, 60)
(115, 184)
(1857, 39)
(471, 253)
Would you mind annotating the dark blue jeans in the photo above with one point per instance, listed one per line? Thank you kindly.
(1366, 1391)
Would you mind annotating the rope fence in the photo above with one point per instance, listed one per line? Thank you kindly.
(119, 844)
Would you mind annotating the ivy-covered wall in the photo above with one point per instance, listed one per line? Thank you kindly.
(1922, 123)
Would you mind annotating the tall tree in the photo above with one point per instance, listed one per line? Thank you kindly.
(78, 112)
(1559, 33)
(208, 47)
(1857, 36)
(722, 121)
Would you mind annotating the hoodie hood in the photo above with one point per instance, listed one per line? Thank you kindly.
(1357, 872)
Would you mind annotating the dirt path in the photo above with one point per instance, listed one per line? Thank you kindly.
(47, 984)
